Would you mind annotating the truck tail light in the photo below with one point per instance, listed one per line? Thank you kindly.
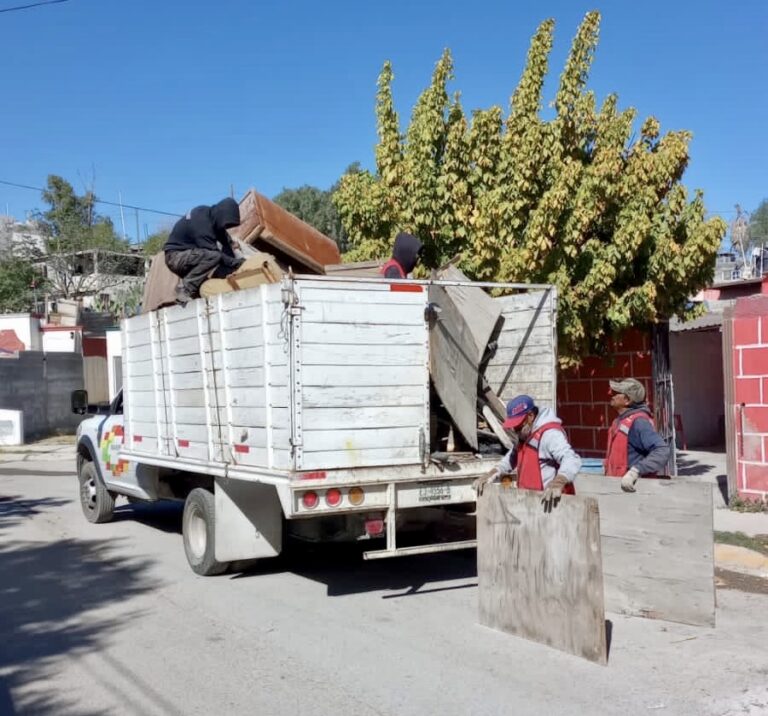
(356, 496)
(333, 497)
(310, 499)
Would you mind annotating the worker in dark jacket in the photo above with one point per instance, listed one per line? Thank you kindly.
(405, 256)
(634, 446)
(199, 247)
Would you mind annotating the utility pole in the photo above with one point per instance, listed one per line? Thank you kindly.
(122, 216)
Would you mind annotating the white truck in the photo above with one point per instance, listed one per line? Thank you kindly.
(303, 404)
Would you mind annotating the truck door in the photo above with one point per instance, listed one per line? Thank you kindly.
(116, 471)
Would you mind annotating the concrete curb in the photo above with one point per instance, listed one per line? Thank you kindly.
(741, 559)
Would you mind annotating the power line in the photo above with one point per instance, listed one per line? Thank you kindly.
(34, 4)
(98, 201)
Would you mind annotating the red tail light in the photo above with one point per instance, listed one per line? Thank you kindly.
(310, 499)
(333, 497)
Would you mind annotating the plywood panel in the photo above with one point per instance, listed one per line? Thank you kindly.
(540, 573)
(459, 338)
(657, 547)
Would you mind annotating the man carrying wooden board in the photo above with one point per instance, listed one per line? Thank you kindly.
(543, 459)
(634, 446)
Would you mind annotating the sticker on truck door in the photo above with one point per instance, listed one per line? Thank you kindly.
(110, 445)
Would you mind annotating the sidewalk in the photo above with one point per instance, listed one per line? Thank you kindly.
(59, 447)
(709, 466)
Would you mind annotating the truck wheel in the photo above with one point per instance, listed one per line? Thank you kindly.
(198, 530)
(97, 502)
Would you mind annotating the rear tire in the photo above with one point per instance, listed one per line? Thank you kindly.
(97, 502)
(198, 531)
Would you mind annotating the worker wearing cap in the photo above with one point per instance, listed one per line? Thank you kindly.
(543, 458)
(634, 446)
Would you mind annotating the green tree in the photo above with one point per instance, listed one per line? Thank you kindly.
(758, 225)
(19, 281)
(83, 253)
(155, 242)
(575, 200)
(315, 206)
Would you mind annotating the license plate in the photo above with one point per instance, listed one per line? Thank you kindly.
(434, 493)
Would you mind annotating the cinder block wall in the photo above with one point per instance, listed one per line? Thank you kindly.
(750, 395)
(583, 394)
(39, 385)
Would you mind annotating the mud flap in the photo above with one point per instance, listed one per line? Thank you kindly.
(249, 520)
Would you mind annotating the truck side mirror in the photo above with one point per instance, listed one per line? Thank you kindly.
(78, 400)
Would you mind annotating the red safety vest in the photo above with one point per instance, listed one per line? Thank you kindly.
(389, 264)
(616, 456)
(528, 465)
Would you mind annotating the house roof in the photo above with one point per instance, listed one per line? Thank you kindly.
(708, 321)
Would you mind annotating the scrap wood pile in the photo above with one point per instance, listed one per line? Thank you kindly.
(272, 240)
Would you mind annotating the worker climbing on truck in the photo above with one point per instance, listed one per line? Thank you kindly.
(543, 459)
(405, 255)
(199, 247)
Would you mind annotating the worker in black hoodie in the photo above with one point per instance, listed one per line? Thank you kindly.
(199, 247)
(405, 256)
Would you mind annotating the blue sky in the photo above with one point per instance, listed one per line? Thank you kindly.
(170, 102)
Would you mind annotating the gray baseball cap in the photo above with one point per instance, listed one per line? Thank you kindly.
(630, 387)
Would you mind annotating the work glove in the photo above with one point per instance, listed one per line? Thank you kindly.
(479, 484)
(629, 480)
(553, 492)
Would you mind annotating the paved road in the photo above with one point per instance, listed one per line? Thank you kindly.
(108, 619)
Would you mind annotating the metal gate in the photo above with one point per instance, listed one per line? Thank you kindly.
(664, 392)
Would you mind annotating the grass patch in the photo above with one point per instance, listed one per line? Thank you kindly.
(758, 543)
(737, 504)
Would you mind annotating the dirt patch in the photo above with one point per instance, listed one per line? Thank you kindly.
(758, 543)
(727, 579)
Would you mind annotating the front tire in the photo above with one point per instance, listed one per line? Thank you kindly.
(198, 531)
(97, 502)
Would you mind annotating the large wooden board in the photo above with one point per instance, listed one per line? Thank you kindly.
(657, 544)
(540, 573)
(458, 340)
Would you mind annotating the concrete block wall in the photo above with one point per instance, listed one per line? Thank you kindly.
(39, 385)
(750, 396)
(583, 393)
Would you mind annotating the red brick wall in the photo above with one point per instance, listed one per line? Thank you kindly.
(583, 393)
(750, 395)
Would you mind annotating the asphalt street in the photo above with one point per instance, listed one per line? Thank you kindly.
(109, 619)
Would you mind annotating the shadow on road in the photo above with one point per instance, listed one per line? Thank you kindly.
(343, 570)
(13, 509)
(164, 515)
(339, 566)
(688, 467)
(18, 472)
(691, 467)
(48, 596)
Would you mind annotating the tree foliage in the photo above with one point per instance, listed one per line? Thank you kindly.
(576, 200)
(72, 230)
(155, 242)
(18, 281)
(758, 225)
(315, 206)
